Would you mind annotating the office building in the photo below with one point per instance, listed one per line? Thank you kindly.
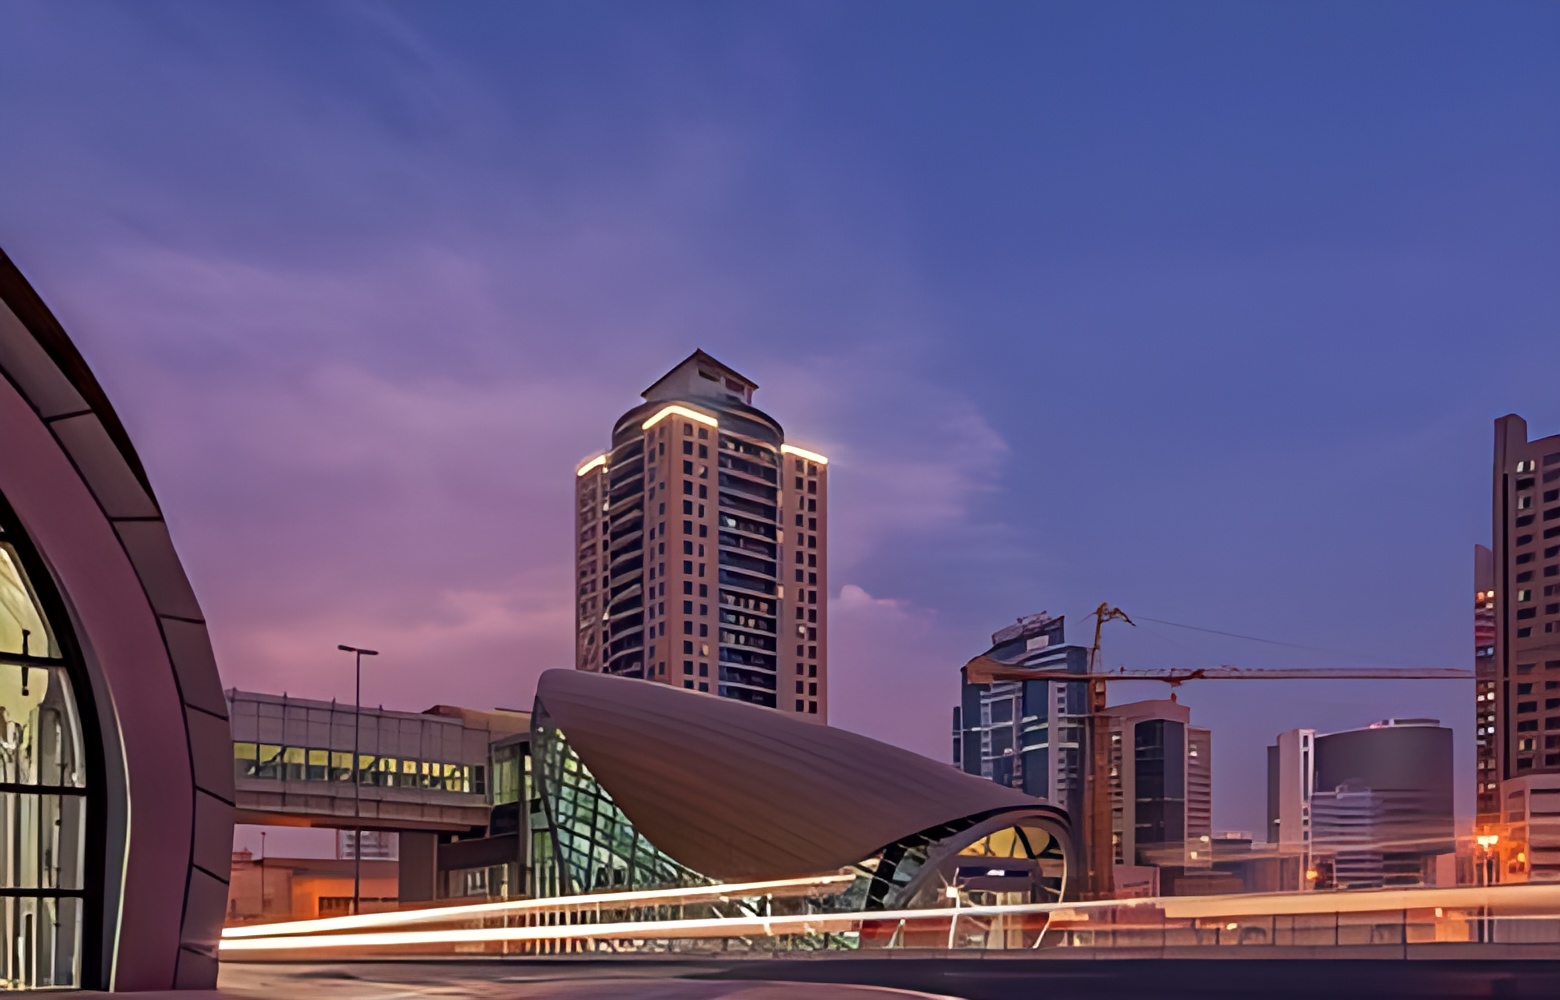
(116, 818)
(1027, 734)
(1160, 785)
(701, 547)
(1371, 807)
(275, 889)
(1199, 784)
(1487, 763)
(1291, 775)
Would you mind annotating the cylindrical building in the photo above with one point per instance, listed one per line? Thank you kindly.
(1382, 801)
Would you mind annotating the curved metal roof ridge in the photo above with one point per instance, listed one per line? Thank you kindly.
(178, 848)
(740, 791)
(24, 301)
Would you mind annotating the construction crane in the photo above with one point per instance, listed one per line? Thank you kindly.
(1099, 881)
(1176, 676)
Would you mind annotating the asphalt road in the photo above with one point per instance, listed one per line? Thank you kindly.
(853, 978)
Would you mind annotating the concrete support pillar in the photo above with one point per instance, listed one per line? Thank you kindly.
(419, 866)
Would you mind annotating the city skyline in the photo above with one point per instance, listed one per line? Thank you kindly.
(1237, 377)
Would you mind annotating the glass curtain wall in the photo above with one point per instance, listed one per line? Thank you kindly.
(1160, 808)
(595, 845)
(43, 789)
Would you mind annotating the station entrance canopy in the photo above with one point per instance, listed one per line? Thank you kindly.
(116, 798)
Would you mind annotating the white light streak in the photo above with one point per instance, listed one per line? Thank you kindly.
(599, 460)
(267, 938)
(547, 904)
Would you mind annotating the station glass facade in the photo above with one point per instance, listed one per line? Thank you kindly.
(43, 785)
(593, 844)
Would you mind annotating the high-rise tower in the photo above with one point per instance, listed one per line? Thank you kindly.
(700, 547)
(1525, 665)
(1527, 600)
(1486, 763)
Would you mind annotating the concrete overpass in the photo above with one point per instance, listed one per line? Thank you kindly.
(427, 776)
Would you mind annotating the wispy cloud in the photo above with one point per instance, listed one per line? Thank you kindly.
(890, 668)
(911, 457)
(362, 340)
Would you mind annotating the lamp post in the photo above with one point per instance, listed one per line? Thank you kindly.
(357, 778)
(1487, 841)
(262, 874)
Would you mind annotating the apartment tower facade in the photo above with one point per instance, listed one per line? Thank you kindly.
(1526, 660)
(701, 540)
(1486, 766)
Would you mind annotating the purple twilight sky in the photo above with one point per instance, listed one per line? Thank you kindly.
(1204, 309)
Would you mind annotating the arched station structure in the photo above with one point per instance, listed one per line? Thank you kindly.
(649, 786)
(116, 788)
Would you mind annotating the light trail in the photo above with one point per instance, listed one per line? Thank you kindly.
(611, 900)
(1544, 898)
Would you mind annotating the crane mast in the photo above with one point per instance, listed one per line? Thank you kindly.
(1099, 850)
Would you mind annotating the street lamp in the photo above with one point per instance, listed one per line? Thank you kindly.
(357, 778)
(1488, 842)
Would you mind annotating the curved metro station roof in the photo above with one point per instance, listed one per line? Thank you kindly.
(736, 791)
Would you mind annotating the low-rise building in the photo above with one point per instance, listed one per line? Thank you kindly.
(271, 889)
(1528, 844)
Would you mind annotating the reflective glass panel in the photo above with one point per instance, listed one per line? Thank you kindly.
(45, 935)
(41, 840)
(40, 735)
(43, 805)
(596, 845)
(19, 611)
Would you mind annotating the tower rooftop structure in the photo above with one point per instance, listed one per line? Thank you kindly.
(701, 375)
